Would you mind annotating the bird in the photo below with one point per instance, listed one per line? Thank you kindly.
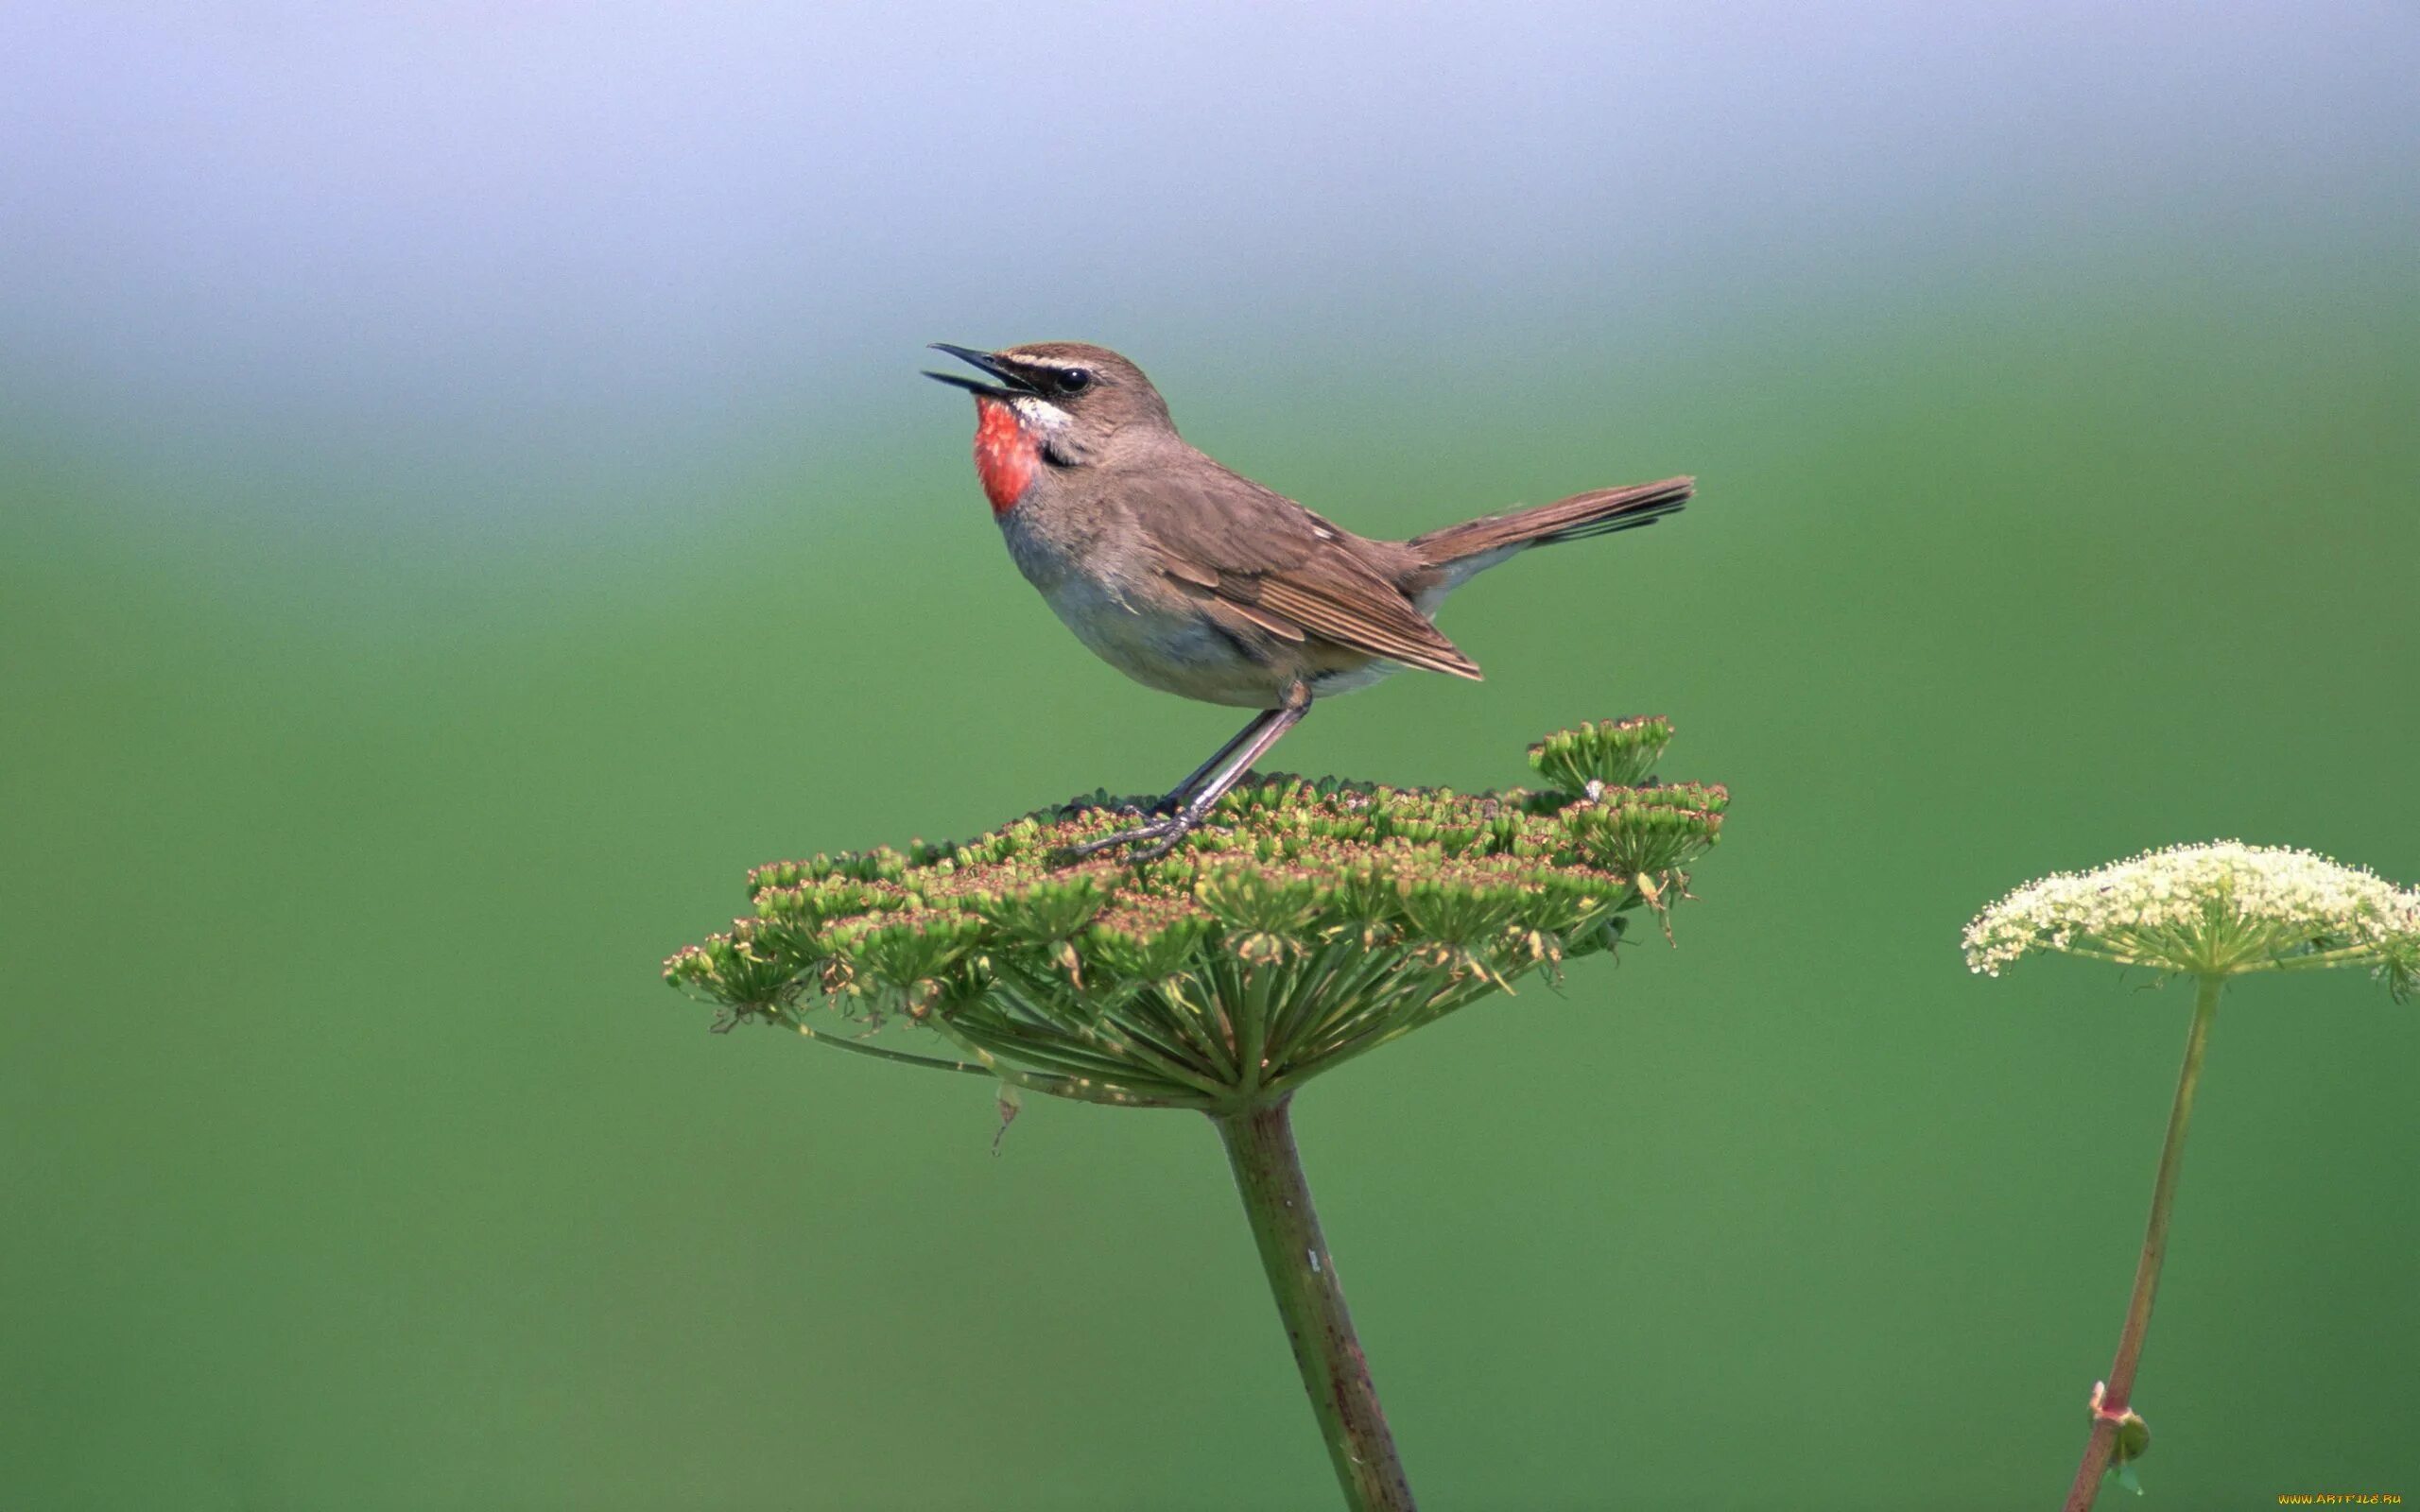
(1193, 579)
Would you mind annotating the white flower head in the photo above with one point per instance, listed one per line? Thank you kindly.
(2218, 909)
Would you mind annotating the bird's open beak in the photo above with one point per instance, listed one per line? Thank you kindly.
(1014, 384)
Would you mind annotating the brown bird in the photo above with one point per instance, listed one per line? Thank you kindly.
(1196, 580)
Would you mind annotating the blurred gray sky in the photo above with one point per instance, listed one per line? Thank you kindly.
(598, 236)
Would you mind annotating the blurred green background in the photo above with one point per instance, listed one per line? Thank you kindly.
(386, 690)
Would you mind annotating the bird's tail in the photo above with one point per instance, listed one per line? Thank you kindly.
(1465, 548)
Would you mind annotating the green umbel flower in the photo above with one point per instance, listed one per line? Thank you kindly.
(1304, 924)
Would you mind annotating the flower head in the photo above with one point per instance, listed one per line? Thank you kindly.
(2218, 909)
(1607, 752)
(1304, 924)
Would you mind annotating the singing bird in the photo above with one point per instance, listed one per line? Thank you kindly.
(1194, 580)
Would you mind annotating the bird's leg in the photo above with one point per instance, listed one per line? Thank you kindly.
(1246, 749)
(1193, 780)
(1192, 783)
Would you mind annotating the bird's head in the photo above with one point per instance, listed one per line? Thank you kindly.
(1055, 404)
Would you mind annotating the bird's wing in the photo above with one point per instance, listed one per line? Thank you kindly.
(1284, 568)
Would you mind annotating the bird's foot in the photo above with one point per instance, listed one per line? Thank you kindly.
(1163, 834)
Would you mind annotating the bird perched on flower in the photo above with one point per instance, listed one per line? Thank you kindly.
(1193, 579)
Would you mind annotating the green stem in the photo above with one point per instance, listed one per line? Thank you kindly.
(2317, 960)
(2118, 1392)
(1302, 1276)
(883, 1053)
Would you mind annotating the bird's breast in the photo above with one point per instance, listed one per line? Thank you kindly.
(1101, 587)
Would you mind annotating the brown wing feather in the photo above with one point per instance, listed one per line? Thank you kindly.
(1360, 616)
(1250, 619)
(1283, 567)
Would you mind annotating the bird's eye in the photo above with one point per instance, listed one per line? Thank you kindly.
(1073, 380)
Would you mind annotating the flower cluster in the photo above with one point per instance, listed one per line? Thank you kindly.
(1601, 753)
(2218, 909)
(1304, 924)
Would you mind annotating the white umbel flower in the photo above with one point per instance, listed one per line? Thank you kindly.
(2218, 909)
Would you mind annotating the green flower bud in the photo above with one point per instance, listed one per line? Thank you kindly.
(1601, 755)
(1646, 832)
(1050, 907)
(1255, 899)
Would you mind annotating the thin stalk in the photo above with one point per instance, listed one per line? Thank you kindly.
(1071, 1084)
(1388, 1024)
(2120, 1389)
(1170, 1026)
(884, 1053)
(1349, 975)
(1180, 994)
(1252, 1033)
(2345, 955)
(1113, 1053)
(1302, 1276)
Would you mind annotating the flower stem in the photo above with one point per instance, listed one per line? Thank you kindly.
(2114, 1401)
(1302, 1276)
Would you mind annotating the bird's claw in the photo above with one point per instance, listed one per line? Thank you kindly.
(1166, 833)
(1178, 828)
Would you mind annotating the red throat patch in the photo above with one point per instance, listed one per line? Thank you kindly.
(1004, 454)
